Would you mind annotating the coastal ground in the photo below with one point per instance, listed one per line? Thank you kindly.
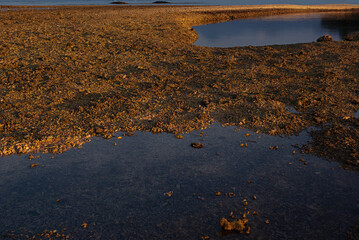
(70, 73)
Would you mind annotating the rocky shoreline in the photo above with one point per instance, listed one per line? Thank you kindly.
(71, 73)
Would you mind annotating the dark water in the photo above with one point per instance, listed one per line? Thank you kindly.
(119, 190)
(195, 2)
(284, 29)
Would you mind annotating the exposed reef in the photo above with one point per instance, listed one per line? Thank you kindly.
(70, 73)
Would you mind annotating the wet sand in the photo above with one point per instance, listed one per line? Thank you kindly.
(70, 73)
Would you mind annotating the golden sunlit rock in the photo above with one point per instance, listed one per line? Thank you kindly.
(168, 194)
(237, 225)
(96, 70)
(34, 165)
(197, 145)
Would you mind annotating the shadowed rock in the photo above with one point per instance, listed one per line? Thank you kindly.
(353, 36)
(325, 38)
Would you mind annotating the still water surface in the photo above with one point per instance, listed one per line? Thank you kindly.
(119, 190)
(285, 29)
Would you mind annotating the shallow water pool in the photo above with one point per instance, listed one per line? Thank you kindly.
(121, 191)
(284, 29)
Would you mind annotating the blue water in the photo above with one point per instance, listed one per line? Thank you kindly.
(119, 191)
(286, 29)
(181, 2)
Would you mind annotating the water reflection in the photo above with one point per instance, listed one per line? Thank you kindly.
(342, 23)
(119, 190)
(285, 29)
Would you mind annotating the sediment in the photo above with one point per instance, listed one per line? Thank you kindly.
(70, 73)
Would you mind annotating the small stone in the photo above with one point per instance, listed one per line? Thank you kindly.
(107, 136)
(168, 194)
(226, 225)
(34, 165)
(325, 38)
(197, 145)
(99, 130)
(237, 225)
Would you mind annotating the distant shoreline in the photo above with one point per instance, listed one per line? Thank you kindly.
(151, 3)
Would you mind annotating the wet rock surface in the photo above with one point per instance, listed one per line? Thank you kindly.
(237, 225)
(71, 73)
(325, 38)
(197, 145)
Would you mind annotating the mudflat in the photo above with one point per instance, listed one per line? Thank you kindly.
(70, 73)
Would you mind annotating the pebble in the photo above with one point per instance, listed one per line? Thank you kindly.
(197, 145)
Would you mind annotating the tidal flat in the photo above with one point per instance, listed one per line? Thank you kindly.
(69, 74)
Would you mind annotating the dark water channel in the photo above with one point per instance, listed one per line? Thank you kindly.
(118, 191)
(285, 29)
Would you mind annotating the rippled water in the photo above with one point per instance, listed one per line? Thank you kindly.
(119, 191)
(285, 29)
